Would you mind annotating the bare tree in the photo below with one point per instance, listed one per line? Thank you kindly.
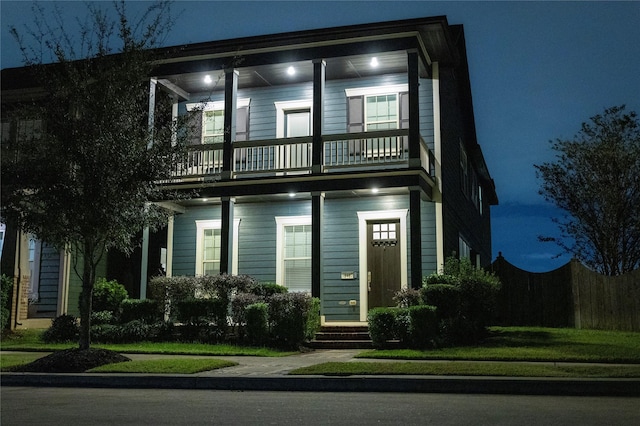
(595, 179)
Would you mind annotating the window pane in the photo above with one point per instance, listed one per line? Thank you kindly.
(297, 257)
(298, 124)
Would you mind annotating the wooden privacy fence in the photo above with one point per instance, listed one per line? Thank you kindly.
(570, 296)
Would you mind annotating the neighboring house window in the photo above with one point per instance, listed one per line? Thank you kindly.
(474, 189)
(35, 248)
(29, 129)
(480, 202)
(463, 248)
(293, 253)
(464, 170)
(208, 246)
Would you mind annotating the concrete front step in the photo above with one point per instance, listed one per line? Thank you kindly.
(341, 344)
(342, 337)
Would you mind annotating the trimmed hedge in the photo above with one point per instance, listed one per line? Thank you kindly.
(257, 323)
(146, 310)
(382, 326)
(423, 328)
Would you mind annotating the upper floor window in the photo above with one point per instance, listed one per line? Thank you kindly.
(209, 121)
(381, 112)
(293, 118)
(213, 126)
(377, 108)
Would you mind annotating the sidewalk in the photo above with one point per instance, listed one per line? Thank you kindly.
(271, 374)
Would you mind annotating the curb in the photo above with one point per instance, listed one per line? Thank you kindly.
(410, 384)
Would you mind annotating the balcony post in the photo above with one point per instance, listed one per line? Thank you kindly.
(317, 211)
(319, 66)
(226, 236)
(415, 237)
(230, 103)
(414, 112)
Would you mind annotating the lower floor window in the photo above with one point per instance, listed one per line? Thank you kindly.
(211, 252)
(293, 261)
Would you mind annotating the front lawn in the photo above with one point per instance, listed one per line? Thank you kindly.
(164, 366)
(465, 368)
(533, 344)
(29, 340)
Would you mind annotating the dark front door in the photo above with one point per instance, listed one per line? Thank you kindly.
(383, 261)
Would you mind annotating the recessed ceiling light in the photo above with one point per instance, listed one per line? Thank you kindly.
(208, 79)
(292, 194)
(374, 62)
(374, 190)
(204, 200)
(291, 70)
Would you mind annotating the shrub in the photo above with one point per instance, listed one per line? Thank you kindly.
(287, 318)
(134, 331)
(108, 295)
(146, 310)
(63, 329)
(382, 326)
(313, 319)
(445, 297)
(202, 311)
(239, 305)
(402, 326)
(267, 289)
(423, 328)
(407, 297)
(102, 317)
(5, 301)
(257, 323)
(105, 333)
(466, 299)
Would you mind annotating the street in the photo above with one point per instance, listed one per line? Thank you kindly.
(64, 406)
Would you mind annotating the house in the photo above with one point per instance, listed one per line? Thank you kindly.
(342, 162)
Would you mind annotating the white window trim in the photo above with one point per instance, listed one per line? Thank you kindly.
(284, 106)
(363, 217)
(281, 222)
(201, 225)
(377, 90)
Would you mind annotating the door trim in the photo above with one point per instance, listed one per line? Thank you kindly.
(363, 217)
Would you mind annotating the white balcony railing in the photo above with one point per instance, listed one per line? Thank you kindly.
(367, 150)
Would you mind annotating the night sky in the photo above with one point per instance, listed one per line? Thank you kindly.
(538, 70)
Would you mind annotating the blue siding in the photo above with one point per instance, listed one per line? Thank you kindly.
(262, 111)
(257, 235)
(184, 238)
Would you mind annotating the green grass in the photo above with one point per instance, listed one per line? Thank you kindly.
(164, 366)
(464, 368)
(29, 340)
(534, 344)
(8, 360)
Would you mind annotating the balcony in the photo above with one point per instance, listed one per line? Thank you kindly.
(346, 152)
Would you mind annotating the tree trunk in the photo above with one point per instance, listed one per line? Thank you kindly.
(88, 279)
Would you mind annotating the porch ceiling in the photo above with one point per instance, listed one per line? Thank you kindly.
(278, 74)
